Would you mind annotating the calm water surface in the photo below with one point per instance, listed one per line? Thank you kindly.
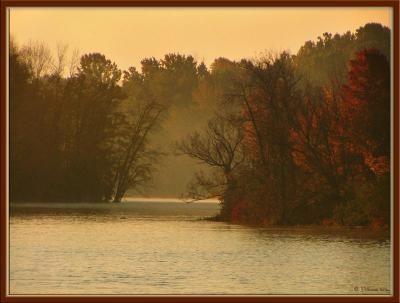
(164, 248)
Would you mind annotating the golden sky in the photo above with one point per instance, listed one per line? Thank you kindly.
(127, 35)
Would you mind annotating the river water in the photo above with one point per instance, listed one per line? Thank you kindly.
(163, 247)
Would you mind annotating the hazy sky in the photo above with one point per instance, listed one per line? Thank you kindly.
(127, 35)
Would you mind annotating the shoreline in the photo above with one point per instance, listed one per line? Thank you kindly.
(125, 201)
(214, 218)
(313, 226)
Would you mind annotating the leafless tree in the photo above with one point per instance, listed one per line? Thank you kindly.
(37, 56)
(59, 64)
(74, 62)
(220, 146)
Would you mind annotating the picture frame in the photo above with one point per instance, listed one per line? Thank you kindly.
(4, 207)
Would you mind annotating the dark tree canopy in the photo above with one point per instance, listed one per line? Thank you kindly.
(282, 139)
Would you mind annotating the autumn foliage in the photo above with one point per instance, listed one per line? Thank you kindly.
(316, 152)
(288, 139)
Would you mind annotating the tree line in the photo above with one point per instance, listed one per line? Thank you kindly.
(301, 139)
(86, 136)
(290, 139)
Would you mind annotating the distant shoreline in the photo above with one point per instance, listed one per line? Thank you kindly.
(166, 199)
(125, 200)
(127, 205)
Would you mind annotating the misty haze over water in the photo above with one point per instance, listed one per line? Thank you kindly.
(166, 248)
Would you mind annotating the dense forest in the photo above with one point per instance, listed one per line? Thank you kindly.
(283, 139)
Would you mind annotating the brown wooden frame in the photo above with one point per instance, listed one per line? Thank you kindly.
(4, 297)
